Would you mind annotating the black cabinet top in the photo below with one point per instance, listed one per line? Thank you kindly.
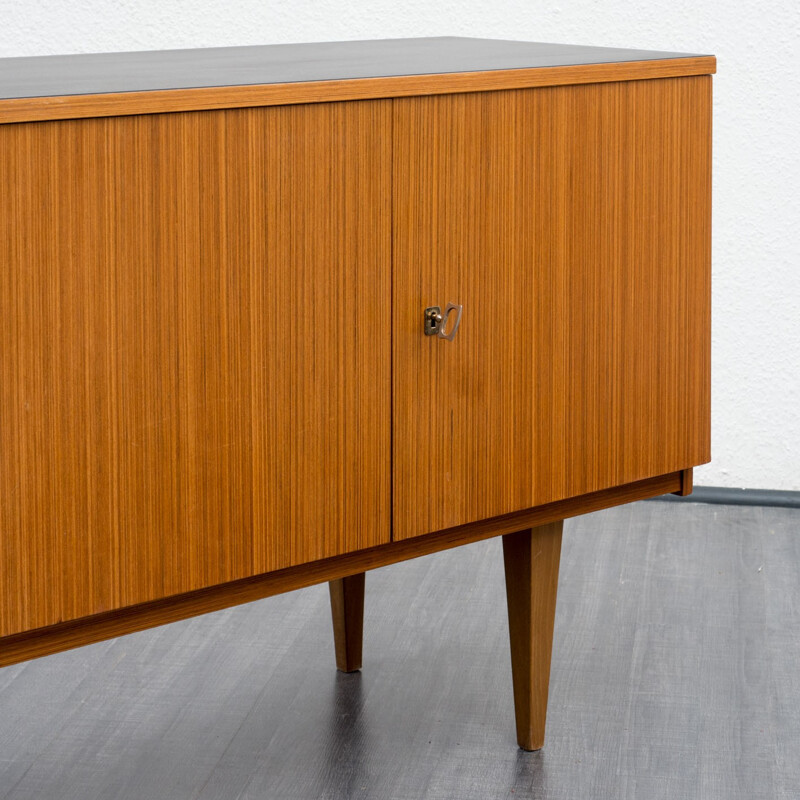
(99, 73)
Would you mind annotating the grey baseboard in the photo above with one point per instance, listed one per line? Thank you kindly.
(737, 497)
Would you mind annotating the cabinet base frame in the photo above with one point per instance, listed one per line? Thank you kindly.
(108, 625)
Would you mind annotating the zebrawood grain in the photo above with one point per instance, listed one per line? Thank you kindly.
(573, 225)
(55, 638)
(74, 106)
(185, 399)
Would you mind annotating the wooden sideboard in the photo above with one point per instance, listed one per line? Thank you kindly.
(217, 267)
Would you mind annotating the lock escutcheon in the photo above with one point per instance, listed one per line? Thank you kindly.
(433, 319)
(436, 321)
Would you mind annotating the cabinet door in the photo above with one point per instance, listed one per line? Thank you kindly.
(193, 388)
(572, 225)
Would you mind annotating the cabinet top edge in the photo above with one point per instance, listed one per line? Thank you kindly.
(109, 84)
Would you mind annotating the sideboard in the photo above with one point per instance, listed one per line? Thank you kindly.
(274, 316)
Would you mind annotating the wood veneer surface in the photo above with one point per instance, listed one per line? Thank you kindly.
(573, 225)
(106, 625)
(185, 399)
(107, 84)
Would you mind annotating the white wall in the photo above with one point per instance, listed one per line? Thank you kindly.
(756, 377)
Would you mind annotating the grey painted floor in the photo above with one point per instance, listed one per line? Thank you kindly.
(676, 674)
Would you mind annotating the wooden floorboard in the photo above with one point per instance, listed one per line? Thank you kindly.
(674, 675)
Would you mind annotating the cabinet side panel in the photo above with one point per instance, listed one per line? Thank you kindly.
(191, 386)
(573, 225)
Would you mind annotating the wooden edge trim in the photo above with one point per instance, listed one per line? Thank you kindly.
(112, 104)
(687, 482)
(108, 625)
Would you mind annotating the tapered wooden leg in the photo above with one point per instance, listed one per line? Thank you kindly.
(347, 608)
(531, 561)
